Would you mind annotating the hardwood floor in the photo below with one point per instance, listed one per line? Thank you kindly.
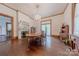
(52, 47)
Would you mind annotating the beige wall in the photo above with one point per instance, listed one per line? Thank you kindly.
(68, 17)
(57, 22)
(10, 12)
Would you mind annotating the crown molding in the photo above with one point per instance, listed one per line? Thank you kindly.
(57, 13)
(66, 7)
(8, 6)
(53, 15)
(16, 10)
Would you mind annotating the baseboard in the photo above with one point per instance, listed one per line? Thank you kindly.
(16, 37)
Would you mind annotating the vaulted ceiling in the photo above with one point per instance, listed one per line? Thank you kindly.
(44, 9)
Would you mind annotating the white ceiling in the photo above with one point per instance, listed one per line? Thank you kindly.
(44, 10)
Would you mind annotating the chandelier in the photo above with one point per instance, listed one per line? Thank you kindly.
(37, 16)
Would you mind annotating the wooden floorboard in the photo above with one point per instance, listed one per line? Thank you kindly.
(51, 47)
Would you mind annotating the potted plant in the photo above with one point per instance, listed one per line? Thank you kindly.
(66, 41)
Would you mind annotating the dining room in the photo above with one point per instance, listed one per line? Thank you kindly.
(43, 29)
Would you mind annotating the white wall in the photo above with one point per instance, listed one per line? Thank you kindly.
(68, 17)
(10, 12)
(26, 20)
(57, 22)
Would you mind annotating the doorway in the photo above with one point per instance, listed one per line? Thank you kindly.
(46, 29)
(6, 27)
(9, 30)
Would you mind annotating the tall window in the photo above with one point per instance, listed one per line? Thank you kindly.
(46, 27)
(76, 21)
(2, 25)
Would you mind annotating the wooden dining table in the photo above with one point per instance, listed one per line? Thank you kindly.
(31, 36)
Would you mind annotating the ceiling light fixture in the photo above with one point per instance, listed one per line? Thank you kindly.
(37, 16)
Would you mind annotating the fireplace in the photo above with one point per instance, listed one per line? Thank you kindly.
(23, 34)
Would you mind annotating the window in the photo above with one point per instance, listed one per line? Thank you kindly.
(46, 27)
(76, 21)
(2, 25)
